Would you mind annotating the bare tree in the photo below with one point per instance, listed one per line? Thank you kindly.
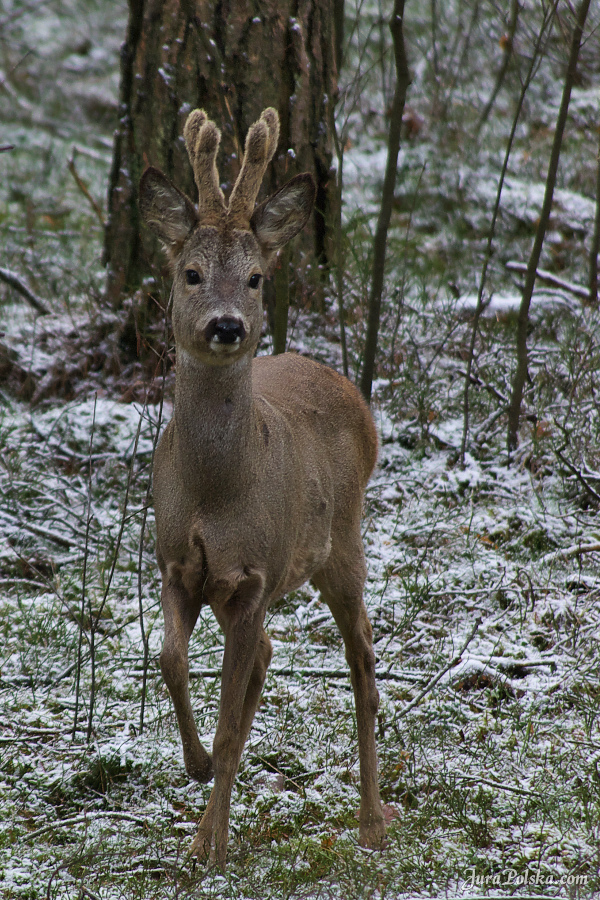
(387, 197)
(545, 28)
(520, 376)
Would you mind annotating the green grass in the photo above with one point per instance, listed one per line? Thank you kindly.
(491, 779)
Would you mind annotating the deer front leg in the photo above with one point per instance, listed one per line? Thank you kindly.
(180, 614)
(245, 662)
(201, 844)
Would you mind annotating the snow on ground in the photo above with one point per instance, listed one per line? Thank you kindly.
(483, 578)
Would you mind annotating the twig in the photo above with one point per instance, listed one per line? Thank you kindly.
(543, 275)
(431, 684)
(509, 39)
(5, 147)
(40, 531)
(84, 573)
(88, 893)
(145, 642)
(475, 379)
(578, 475)
(496, 784)
(339, 237)
(15, 282)
(94, 619)
(84, 188)
(82, 820)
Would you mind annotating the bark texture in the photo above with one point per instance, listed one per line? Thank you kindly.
(232, 58)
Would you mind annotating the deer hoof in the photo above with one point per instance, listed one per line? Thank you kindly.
(199, 765)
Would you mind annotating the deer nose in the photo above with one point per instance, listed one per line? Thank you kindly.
(225, 330)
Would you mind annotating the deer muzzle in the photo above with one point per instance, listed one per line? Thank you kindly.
(225, 330)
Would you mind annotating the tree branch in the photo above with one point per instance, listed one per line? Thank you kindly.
(15, 282)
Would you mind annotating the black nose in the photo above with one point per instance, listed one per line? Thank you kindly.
(225, 330)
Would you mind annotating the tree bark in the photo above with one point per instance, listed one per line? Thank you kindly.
(387, 198)
(232, 58)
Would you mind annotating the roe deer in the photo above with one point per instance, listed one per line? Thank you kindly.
(260, 475)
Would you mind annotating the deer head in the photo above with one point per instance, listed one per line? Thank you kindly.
(220, 252)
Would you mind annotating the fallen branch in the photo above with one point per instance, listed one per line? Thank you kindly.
(549, 278)
(40, 531)
(570, 552)
(85, 820)
(431, 684)
(12, 279)
(31, 681)
(496, 784)
(309, 672)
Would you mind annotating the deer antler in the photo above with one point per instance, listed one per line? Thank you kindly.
(202, 138)
(261, 144)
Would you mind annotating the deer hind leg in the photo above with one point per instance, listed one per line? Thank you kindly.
(180, 613)
(202, 842)
(341, 584)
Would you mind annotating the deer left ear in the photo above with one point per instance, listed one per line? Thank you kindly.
(165, 209)
(282, 216)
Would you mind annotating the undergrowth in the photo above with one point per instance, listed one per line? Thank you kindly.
(483, 585)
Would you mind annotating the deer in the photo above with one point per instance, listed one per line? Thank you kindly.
(259, 477)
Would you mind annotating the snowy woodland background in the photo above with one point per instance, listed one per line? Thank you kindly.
(483, 584)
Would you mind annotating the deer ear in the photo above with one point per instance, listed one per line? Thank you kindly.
(165, 209)
(282, 216)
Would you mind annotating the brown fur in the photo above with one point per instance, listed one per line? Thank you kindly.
(260, 475)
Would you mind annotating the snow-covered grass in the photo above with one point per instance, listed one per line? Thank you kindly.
(483, 582)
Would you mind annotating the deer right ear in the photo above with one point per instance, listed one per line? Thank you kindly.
(282, 216)
(165, 209)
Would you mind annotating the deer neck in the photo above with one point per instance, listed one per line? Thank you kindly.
(216, 424)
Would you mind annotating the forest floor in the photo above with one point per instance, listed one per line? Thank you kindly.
(483, 586)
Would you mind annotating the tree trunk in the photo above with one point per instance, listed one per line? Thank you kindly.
(521, 372)
(233, 59)
(387, 199)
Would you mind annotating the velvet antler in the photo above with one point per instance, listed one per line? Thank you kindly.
(202, 139)
(261, 144)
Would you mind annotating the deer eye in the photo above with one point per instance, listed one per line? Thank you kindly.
(192, 277)
(254, 281)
